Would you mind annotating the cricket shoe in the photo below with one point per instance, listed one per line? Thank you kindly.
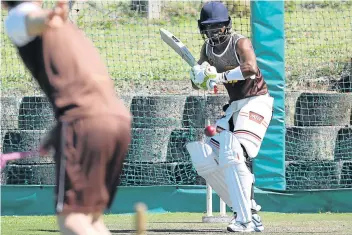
(239, 227)
(259, 227)
(256, 220)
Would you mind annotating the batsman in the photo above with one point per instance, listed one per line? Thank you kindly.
(225, 159)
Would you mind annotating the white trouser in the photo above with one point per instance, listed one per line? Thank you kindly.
(227, 173)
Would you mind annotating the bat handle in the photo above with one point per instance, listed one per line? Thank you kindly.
(214, 86)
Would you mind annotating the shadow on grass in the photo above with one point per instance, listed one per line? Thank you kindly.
(179, 231)
(197, 231)
(177, 222)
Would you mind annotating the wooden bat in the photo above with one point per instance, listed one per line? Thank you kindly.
(178, 47)
(181, 49)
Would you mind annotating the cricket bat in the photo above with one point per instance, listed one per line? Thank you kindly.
(180, 49)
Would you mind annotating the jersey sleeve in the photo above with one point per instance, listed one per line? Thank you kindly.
(15, 23)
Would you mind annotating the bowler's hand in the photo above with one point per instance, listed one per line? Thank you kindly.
(58, 16)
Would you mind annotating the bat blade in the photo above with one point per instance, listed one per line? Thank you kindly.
(178, 47)
(182, 50)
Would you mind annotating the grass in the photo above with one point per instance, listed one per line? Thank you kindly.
(317, 43)
(189, 223)
(318, 40)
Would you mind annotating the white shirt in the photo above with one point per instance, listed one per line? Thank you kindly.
(15, 23)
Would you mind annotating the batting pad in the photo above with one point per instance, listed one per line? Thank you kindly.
(252, 123)
(205, 162)
(237, 176)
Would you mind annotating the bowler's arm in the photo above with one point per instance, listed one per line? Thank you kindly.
(28, 20)
(37, 22)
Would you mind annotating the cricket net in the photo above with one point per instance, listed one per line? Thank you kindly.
(318, 98)
(154, 84)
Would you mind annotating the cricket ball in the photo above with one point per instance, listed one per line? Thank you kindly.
(210, 131)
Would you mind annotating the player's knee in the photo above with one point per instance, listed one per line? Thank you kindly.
(230, 151)
(202, 156)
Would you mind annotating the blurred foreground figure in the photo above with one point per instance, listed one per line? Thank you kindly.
(93, 127)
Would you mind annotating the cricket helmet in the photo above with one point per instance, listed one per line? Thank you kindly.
(213, 17)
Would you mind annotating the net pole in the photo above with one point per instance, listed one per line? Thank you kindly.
(209, 200)
(222, 208)
(209, 189)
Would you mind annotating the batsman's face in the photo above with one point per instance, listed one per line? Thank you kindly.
(214, 30)
(216, 33)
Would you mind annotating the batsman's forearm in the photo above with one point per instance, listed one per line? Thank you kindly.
(236, 74)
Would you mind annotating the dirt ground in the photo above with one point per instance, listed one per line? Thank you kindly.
(190, 223)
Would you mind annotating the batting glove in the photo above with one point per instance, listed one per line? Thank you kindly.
(204, 76)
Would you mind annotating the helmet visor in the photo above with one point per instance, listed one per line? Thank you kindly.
(216, 33)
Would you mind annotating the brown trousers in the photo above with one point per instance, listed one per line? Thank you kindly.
(89, 158)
